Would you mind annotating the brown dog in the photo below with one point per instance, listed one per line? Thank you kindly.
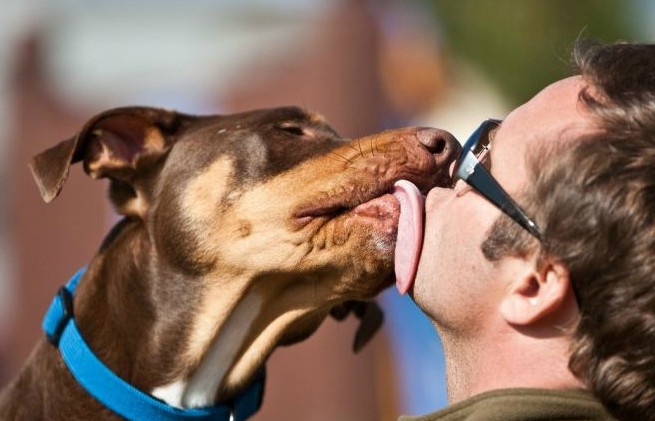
(240, 233)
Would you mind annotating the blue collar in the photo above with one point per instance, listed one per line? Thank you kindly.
(112, 391)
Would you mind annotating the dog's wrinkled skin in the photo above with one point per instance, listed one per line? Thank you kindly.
(240, 233)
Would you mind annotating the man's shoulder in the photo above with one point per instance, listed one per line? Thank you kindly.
(522, 405)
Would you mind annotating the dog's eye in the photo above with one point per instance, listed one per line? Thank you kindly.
(292, 129)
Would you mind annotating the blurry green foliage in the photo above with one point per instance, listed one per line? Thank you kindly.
(523, 45)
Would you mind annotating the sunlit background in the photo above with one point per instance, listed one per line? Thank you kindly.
(364, 65)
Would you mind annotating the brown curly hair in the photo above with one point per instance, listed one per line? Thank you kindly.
(595, 203)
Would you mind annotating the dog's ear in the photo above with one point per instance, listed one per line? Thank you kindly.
(370, 317)
(118, 144)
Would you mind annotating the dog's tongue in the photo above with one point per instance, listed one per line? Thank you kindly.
(410, 233)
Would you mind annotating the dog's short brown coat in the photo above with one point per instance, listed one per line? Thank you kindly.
(240, 233)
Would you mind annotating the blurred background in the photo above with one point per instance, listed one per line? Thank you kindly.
(364, 65)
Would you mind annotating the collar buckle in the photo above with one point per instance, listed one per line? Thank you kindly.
(63, 305)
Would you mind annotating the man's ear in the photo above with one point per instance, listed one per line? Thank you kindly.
(540, 288)
(118, 144)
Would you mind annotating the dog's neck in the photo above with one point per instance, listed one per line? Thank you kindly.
(220, 357)
(188, 340)
(228, 348)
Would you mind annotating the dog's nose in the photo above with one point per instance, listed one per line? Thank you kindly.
(440, 143)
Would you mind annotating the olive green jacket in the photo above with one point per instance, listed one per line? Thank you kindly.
(523, 405)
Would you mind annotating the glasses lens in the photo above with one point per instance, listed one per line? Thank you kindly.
(481, 144)
(477, 144)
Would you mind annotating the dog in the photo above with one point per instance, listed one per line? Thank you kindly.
(239, 233)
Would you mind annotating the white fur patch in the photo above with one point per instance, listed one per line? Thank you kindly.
(214, 366)
(171, 393)
(200, 389)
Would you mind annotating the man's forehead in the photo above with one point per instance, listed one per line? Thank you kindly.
(553, 115)
(557, 104)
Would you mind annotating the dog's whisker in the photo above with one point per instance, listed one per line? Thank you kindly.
(337, 159)
(357, 149)
(354, 148)
(345, 159)
(377, 148)
(361, 152)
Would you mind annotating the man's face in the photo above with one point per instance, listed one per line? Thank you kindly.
(455, 285)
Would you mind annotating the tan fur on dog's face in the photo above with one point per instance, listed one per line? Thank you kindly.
(239, 214)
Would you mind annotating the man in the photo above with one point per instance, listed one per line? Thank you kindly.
(546, 310)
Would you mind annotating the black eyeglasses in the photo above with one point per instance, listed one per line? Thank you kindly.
(470, 169)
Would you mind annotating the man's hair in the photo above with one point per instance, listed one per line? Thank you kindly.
(595, 203)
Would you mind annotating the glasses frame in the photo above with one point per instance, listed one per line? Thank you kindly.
(471, 170)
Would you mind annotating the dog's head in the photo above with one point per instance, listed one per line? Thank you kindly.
(269, 203)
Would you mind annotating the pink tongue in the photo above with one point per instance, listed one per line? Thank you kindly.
(410, 233)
